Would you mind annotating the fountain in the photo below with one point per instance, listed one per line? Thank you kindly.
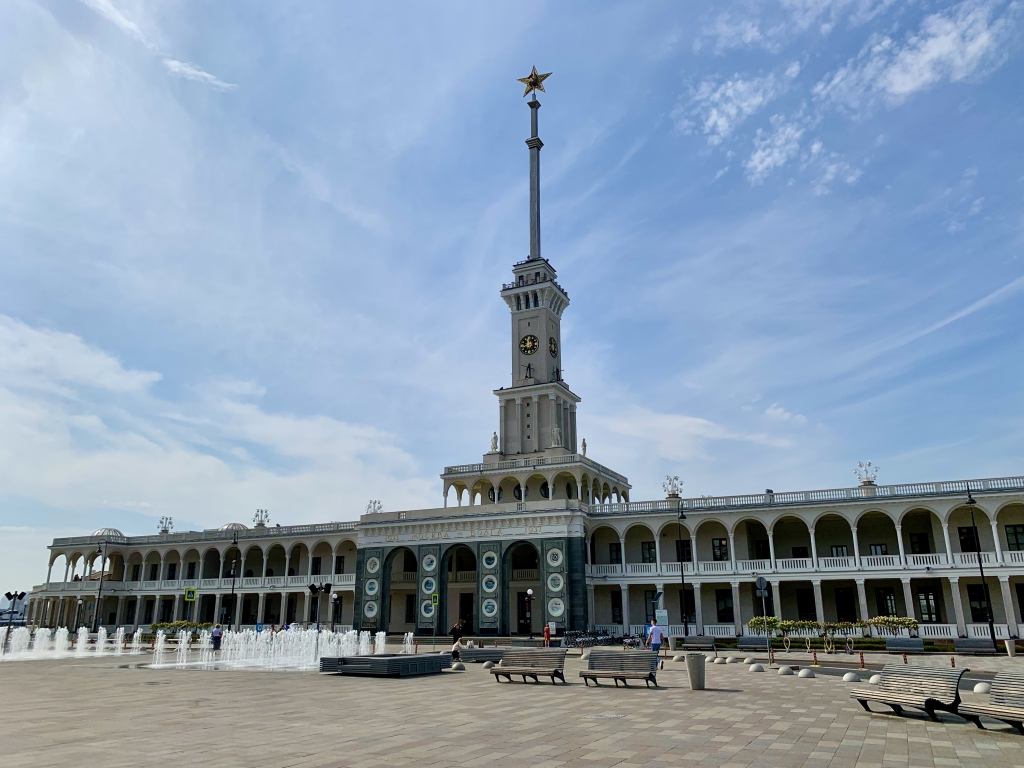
(82, 642)
(3, 639)
(61, 641)
(119, 641)
(408, 643)
(101, 641)
(380, 642)
(159, 646)
(41, 644)
(205, 647)
(184, 639)
(136, 643)
(364, 643)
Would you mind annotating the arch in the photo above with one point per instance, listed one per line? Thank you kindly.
(602, 551)
(276, 561)
(231, 560)
(641, 544)
(211, 563)
(399, 580)
(323, 551)
(506, 488)
(792, 536)
(707, 538)
(458, 576)
(751, 538)
(959, 521)
(876, 535)
(921, 529)
(534, 486)
(298, 560)
(172, 565)
(252, 562)
(151, 566)
(191, 564)
(521, 568)
(346, 550)
(1010, 524)
(833, 536)
(564, 485)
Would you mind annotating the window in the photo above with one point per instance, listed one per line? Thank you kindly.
(172, 571)
(723, 602)
(919, 544)
(885, 601)
(409, 562)
(684, 550)
(761, 550)
(928, 605)
(801, 552)
(880, 549)
(410, 608)
(647, 552)
(1015, 537)
(805, 607)
(977, 596)
(191, 570)
(846, 603)
(967, 541)
(519, 303)
(315, 569)
(154, 572)
(615, 554)
(649, 605)
(720, 551)
(136, 572)
(840, 550)
(527, 300)
(339, 564)
(616, 606)
(690, 611)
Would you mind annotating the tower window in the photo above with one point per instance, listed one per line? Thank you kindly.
(536, 301)
(519, 302)
(527, 300)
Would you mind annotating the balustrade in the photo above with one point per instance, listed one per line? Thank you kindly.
(645, 568)
(525, 574)
(464, 577)
(672, 569)
(752, 566)
(720, 630)
(794, 564)
(715, 566)
(605, 569)
(939, 631)
(982, 631)
(971, 558)
(835, 563)
(881, 561)
(933, 559)
(1016, 557)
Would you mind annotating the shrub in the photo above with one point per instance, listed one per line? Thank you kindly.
(764, 623)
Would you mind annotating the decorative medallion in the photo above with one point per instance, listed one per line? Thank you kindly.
(489, 583)
(373, 565)
(429, 564)
(427, 609)
(371, 587)
(556, 607)
(370, 609)
(490, 560)
(489, 607)
(429, 584)
(554, 557)
(556, 582)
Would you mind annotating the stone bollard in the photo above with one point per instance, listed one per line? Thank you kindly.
(1011, 648)
(983, 688)
(695, 670)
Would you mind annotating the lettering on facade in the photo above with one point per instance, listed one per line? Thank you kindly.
(533, 529)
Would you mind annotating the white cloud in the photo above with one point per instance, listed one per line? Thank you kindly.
(774, 148)
(776, 412)
(107, 10)
(189, 72)
(967, 40)
(719, 107)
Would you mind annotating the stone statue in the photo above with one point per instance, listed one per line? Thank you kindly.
(494, 443)
(583, 447)
(556, 437)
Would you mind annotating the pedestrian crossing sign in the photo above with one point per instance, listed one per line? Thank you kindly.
(190, 595)
(433, 599)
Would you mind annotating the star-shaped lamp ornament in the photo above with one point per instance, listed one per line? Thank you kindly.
(534, 82)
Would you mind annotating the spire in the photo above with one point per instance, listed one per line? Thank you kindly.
(534, 82)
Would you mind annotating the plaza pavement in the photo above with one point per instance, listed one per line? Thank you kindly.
(95, 713)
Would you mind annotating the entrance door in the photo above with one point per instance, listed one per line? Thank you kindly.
(525, 624)
(466, 609)
(846, 604)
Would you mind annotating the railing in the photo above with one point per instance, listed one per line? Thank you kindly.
(881, 561)
(836, 563)
(941, 631)
(151, 585)
(611, 629)
(210, 583)
(210, 535)
(982, 630)
(403, 577)
(186, 583)
(252, 581)
(345, 579)
(525, 574)
(672, 569)
(464, 577)
(544, 461)
(933, 559)
(971, 558)
(751, 566)
(170, 584)
(1013, 556)
(637, 629)
(605, 569)
(888, 632)
(720, 630)
(794, 564)
(644, 568)
(715, 566)
(273, 581)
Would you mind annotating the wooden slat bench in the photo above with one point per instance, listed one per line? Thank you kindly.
(975, 646)
(752, 644)
(531, 662)
(621, 665)
(904, 645)
(1005, 702)
(691, 643)
(904, 685)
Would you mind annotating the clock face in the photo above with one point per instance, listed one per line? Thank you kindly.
(553, 347)
(529, 344)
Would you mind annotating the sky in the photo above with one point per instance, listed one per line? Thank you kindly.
(251, 253)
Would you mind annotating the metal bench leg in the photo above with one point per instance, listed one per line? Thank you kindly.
(931, 713)
(896, 708)
(1019, 726)
(864, 703)
(974, 719)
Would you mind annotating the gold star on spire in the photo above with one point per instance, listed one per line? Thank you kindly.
(534, 82)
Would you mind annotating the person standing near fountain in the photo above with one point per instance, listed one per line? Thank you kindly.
(457, 632)
(216, 635)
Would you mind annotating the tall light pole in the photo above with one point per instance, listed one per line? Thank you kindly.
(981, 569)
(334, 609)
(234, 562)
(682, 572)
(12, 600)
(102, 552)
(78, 613)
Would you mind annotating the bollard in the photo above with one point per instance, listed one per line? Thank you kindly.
(814, 655)
(416, 649)
(952, 662)
(771, 656)
(862, 660)
(904, 658)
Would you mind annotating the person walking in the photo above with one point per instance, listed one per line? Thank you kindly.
(216, 634)
(655, 635)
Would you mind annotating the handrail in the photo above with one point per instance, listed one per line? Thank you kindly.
(185, 537)
(543, 461)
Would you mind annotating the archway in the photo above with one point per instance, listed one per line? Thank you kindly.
(879, 545)
(458, 587)
(833, 538)
(793, 548)
(522, 574)
(399, 609)
(641, 555)
(605, 550)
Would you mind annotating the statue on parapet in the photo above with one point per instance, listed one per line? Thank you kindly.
(494, 443)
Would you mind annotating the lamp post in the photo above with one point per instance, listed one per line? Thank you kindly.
(682, 572)
(334, 609)
(78, 613)
(529, 610)
(981, 570)
(234, 562)
(102, 552)
(12, 599)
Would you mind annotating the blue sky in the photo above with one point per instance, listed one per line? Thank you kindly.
(251, 252)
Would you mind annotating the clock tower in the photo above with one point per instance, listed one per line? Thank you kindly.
(537, 414)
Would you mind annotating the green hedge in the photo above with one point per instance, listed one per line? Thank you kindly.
(176, 626)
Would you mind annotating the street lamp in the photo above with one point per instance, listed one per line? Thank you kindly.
(334, 609)
(78, 613)
(682, 572)
(12, 600)
(529, 610)
(981, 569)
(101, 551)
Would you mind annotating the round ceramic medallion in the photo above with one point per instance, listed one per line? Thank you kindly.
(555, 582)
(429, 562)
(370, 609)
(427, 609)
(489, 607)
(373, 565)
(371, 587)
(429, 584)
(556, 607)
(554, 557)
(490, 560)
(489, 583)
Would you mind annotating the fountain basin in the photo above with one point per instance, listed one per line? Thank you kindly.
(387, 664)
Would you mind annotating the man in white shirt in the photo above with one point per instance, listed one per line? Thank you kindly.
(654, 636)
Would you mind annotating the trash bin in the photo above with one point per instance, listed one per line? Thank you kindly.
(695, 670)
(1011, 647)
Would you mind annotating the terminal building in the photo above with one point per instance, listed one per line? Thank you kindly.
(537, 532)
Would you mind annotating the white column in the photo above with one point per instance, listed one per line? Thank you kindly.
(777, 599)
(697, 608)
(732, 550)
(622, 554)
(661, 600)
(262, 605)
(856, 550)
(908, 598)
(995, 538)
(862, 597)
(574, 447)
(657, 553)
(1011, 615)
(501, 427)
(49, 570)
(67, 566)
(949, 548)
(899, 541)
(160, 575)
(625, 608)
(814, 553)
(771, 547)
(519, 425)
(958, 607)
(579, 491)
(737, 614)
(216, 608)
(819, 604)
(445, 505)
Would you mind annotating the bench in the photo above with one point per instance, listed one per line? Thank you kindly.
(691, 643)
(752, 644)
(1005, 702)
(904, 645)
(481, 654)
(974, 646)
(904, 685)
(621, 665)
(534, 662)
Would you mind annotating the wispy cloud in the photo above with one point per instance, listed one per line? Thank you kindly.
(774, 148)
(776, 412)
(189, 72)
(106, 9)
